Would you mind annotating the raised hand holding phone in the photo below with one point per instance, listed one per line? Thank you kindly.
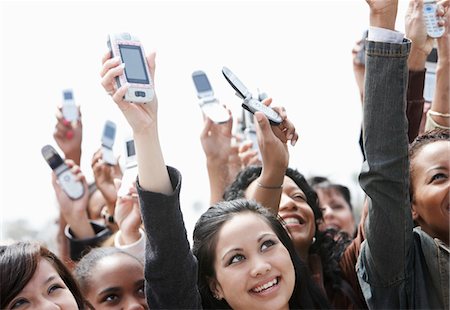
(129, 49)
(68, 181)
(250, 104)
(209, 104)
(434, 29)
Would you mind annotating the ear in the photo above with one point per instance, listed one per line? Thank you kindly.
(415, 214)
(215, 288)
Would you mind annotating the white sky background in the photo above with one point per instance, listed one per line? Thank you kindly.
(299, 52)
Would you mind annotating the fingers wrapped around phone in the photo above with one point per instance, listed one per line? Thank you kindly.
(286, 130)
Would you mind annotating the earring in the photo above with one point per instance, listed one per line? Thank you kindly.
(216, 296)
(313, 240)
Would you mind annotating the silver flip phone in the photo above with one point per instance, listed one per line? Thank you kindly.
(66, 179)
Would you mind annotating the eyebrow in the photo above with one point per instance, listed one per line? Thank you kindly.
(50, 279)
(437, 168)
(109, 290)
(240, 249)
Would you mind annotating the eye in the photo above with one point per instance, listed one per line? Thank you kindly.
(111, 298)
(141, 292)
(438, 176)
(236, 259)
(18, 303)
(53, 288)
(299, 197)
(267, 244)
(337, 207)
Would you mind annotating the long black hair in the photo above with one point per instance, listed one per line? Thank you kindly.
(306, 295)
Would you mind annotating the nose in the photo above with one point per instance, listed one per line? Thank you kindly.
(287, 203)
(327, 212)
(260, 266)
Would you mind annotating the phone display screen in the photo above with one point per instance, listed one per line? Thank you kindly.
(130, 148)
(54, 161)
(201, 83)
(109, 132)
(134, 64)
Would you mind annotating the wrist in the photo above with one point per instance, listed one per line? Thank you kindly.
(383, 20)
(74, 155)
(129, 236)
(417, 59)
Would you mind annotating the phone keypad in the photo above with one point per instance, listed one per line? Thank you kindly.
(431, 21)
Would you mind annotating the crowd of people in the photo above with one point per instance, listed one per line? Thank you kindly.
(271, 238)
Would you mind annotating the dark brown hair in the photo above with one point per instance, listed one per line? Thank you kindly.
(18, 263)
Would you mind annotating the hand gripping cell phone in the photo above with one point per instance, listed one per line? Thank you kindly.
(431, 20)
(250, 104)
(66, 179)
(136, 73)
(131, 169)
(208, 103)
(69, 108)
(108, 136)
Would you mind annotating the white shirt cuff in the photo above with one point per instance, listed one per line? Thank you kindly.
(136, 249)
(377, 34)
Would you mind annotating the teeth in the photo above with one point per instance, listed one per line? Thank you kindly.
(291, 220)
(266, 286)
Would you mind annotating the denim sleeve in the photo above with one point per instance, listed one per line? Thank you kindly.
(383, 263)
(170, 267)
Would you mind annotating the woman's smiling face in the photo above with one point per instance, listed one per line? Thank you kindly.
(253, 268)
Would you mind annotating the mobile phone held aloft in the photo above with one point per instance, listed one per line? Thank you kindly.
(108, 137)
(250, 104)
(136, 73)
(66, 179)
(431, 20)
(208, 103)
(69, 108)
(131, 169)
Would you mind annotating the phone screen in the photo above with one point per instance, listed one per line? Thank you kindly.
(130, 148)
(54, 161)
(109, 132)
(202, 83)
(68, 95)
(134, 64)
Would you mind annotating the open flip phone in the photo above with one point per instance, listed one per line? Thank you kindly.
(66, 179)
(131, 168)
(250, 104)
(108, 137)
(208, 103)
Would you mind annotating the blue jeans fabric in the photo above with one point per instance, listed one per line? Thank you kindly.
(397, 265)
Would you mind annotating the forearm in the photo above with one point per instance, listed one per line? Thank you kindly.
(268, 188)
(152, 169)
(169, 262)
(441, 99)
(415, 102)
(80, 225)
(218, 179)
(385, 175)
